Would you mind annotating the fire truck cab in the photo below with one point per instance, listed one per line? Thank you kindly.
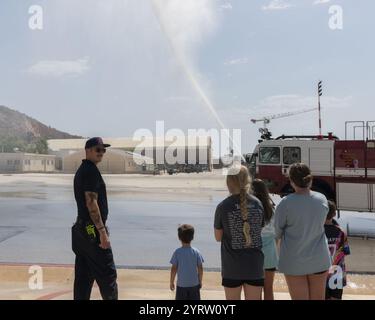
(343, 170)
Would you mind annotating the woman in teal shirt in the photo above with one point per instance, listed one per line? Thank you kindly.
(299, 223)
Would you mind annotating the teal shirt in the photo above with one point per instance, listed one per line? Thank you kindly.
(299, 223)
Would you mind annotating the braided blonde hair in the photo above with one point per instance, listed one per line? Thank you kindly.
(240, 177)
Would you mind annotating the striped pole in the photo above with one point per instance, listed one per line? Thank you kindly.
(320, 93)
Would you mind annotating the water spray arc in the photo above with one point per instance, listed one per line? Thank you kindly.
(190, 74)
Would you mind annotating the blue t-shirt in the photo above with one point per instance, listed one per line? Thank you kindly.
(187, 259)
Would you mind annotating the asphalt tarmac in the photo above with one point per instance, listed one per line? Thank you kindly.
(37, 212)
(143, 233)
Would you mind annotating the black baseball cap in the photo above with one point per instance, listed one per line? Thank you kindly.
(95, 142)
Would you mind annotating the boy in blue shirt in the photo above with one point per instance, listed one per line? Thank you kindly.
(187, 263)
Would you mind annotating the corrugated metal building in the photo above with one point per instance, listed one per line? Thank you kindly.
(26, 162)
(194, 150)
(114, 162)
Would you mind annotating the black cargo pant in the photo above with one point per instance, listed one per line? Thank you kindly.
(188, 293)
(92, 263)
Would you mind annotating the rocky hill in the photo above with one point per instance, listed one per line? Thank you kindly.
(23, 133)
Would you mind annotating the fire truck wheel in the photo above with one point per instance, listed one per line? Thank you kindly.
(328, 193)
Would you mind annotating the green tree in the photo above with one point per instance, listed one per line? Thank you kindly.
(13, 144)
(41, 146)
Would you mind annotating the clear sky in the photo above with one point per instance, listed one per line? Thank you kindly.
(110, 67)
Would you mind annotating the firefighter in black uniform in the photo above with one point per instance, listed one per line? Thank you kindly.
(90, 239)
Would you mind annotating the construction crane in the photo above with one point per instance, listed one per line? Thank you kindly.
(266, 134)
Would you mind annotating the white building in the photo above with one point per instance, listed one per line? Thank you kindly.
(26, 162)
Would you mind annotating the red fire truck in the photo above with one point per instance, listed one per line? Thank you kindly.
(343, 170)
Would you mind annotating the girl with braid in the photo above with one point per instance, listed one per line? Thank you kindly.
(239, 220)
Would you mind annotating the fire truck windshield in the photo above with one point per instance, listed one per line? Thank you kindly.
(269, 155)
(251, 160)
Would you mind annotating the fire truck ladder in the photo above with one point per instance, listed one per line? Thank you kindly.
(308, 137)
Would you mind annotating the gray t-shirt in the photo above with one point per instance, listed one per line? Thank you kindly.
(237, 261)
(299, 223)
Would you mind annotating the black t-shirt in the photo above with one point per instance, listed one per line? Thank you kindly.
(88, 178)
(238, 261)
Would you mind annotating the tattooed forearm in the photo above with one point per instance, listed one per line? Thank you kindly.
(94, 211)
